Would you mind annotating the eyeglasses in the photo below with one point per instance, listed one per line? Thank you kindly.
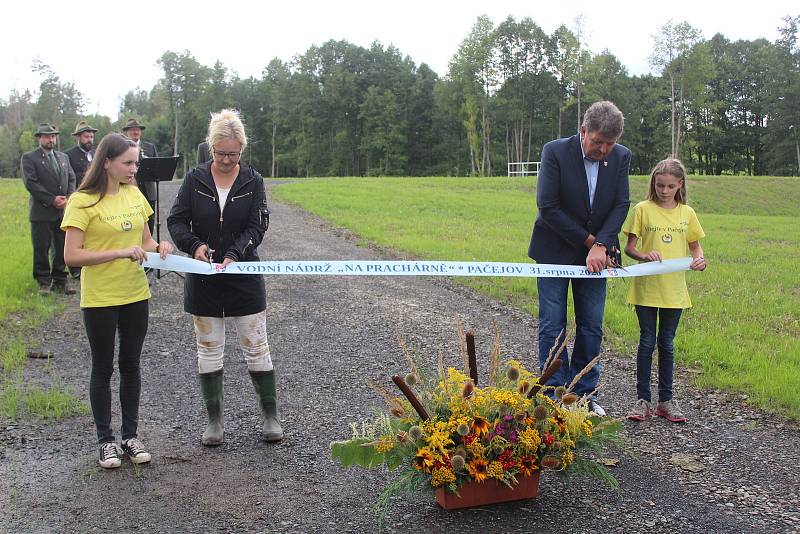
(233, 156)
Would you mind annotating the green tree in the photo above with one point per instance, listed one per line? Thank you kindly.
(521, 48)
(671, 49)
(782, 138)
(475, 69)
(184, 81)
(421, 116)
(384, 139)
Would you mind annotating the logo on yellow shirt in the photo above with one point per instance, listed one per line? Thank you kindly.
(126, 226)
(666, 238)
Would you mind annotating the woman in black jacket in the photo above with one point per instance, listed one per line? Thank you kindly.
(221, 215)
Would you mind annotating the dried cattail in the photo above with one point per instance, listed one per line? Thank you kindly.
(415, 403)
(472, 357)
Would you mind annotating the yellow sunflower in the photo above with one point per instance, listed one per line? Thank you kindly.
(480, 425)
(478, 469)
(423, 461)
(527, 465)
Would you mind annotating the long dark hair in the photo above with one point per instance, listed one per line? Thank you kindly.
(96, 178)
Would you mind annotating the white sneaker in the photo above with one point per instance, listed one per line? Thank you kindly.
(136, 451)
(596, 408)
(109, 456)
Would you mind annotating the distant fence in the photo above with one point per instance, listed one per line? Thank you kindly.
(523, 168)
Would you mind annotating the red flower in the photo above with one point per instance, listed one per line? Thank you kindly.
(444, 463)
(549, 438)
(506, 459)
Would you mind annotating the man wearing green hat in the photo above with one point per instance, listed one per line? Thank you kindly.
(133, 130)
(49, 179)
(80, 156)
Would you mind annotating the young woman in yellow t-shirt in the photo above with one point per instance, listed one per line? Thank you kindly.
(107, 236)
(659, 228)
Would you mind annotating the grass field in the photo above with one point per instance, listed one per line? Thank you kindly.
(744, 329)
(22, 310)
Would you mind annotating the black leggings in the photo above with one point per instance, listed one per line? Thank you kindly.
(101, 329)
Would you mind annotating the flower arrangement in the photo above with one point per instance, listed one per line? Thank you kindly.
(448, 433)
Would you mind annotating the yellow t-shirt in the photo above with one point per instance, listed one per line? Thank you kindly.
(669, 231)
(115, 222)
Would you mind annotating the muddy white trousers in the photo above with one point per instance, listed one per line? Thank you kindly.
(252, 333)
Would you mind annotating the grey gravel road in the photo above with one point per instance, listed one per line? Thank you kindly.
(329, 335)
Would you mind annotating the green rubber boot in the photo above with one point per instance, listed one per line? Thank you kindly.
(211, 387)
(264, 382)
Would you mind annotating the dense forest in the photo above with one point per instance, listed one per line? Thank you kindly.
(725, 107)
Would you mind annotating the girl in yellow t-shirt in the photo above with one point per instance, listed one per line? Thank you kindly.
(107, 236)
(660, 228)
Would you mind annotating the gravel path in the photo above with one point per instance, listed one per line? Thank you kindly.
(328, 336)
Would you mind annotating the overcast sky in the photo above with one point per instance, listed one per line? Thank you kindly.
(108, 48)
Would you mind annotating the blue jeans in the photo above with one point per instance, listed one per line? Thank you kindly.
(589, 298)
(668, 319)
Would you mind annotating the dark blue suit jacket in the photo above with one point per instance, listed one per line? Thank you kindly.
(565, 219)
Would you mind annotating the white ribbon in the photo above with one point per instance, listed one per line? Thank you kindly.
(410, 268)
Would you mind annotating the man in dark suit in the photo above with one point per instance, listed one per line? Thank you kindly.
(133, 130)
(203, 153)
(49, 179)
(80, 156)
(583, 199)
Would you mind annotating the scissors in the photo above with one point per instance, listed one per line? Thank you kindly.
(613, 259)
(210, 254)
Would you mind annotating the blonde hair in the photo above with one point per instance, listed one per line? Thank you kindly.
(225, 125)
(673, 167)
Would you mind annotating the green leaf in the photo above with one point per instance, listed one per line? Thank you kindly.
(358, 451)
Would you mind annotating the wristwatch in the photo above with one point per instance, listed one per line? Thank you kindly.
(599, 244)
